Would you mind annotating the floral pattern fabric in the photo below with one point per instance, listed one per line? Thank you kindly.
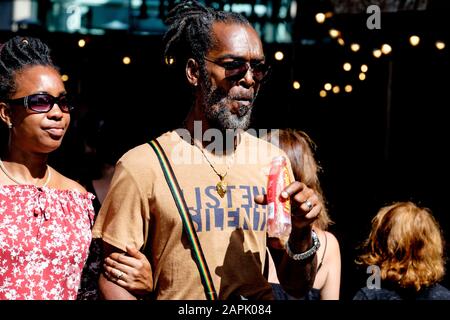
(44, 241)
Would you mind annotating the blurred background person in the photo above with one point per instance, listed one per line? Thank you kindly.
(299, 149)
(407, 246)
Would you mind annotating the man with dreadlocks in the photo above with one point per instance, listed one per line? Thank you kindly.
(220, 56)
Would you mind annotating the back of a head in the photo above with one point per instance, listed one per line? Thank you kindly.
(298, 146)
(189, 33)
(407, 244)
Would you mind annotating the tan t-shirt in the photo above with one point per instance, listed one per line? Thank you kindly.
(139, 210)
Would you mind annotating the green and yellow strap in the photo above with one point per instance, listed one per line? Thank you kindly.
(187, 221)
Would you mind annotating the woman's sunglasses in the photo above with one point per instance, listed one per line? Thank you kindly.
(42, 102)
(238, 68)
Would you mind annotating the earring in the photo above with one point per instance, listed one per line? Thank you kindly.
(10, 125)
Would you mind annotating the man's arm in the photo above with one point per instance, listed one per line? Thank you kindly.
(297, 276)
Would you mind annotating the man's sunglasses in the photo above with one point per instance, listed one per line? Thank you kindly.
(237, 69)
(42, 102)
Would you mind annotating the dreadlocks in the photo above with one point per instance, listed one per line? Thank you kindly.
(190, 35)
(15, 55)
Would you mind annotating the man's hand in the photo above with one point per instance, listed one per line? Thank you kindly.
(305, 205)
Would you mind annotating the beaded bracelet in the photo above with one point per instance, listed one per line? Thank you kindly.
(308, 253)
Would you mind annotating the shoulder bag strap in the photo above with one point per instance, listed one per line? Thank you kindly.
(196, 248)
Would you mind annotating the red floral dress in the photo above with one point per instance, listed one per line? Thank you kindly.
(44, 240)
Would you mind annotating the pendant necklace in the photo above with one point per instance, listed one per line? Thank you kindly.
(48, 173)
(221, 186)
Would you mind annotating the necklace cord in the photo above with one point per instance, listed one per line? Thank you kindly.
(221, 176)
(9, 175)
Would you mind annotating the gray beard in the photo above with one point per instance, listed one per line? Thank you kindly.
(219, 115)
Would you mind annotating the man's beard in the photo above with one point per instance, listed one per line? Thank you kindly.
(215, 106)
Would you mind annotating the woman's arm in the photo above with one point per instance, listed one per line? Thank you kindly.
(136, 271)
(112, 276)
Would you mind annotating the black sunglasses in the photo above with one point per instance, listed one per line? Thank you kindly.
(238, 68)
(42, 102)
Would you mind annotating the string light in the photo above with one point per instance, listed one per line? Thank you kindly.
(320, 17)
(81, 43)
(440, 45)
(334, 33)
(279, 55)
(126, 60)
(386, 49)
(377, 53)
(355, 47)
(296, 85)
(64, 77)
(414, 40)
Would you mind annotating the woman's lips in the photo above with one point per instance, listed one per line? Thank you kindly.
(55, 131)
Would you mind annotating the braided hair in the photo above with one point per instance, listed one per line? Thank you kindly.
(17, 54)
(189, 33)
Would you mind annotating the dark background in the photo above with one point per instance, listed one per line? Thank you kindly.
(385, 141)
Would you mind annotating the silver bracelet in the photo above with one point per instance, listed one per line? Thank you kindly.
(308, 253)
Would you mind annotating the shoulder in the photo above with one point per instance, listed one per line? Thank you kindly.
(361, 294)
(329, 245)
(136, 155)
(376, 294)
(137, 162)
(439, 292)
(263, 150)
(250, 139)
(143, 155)
(64, 183)
(332, 241)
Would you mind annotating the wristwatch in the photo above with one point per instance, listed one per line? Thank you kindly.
(308, 253)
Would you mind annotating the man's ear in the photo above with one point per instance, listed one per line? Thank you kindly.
(5, 114)
(192, 72)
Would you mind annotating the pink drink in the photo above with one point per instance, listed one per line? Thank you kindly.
(279, 209)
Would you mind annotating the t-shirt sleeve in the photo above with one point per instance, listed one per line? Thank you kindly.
(122, 217)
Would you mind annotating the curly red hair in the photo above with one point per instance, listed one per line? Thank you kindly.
(406, 242)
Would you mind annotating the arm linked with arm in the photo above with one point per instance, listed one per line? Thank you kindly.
(110, 290)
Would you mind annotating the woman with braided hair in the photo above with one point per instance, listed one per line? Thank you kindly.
(45, 218)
